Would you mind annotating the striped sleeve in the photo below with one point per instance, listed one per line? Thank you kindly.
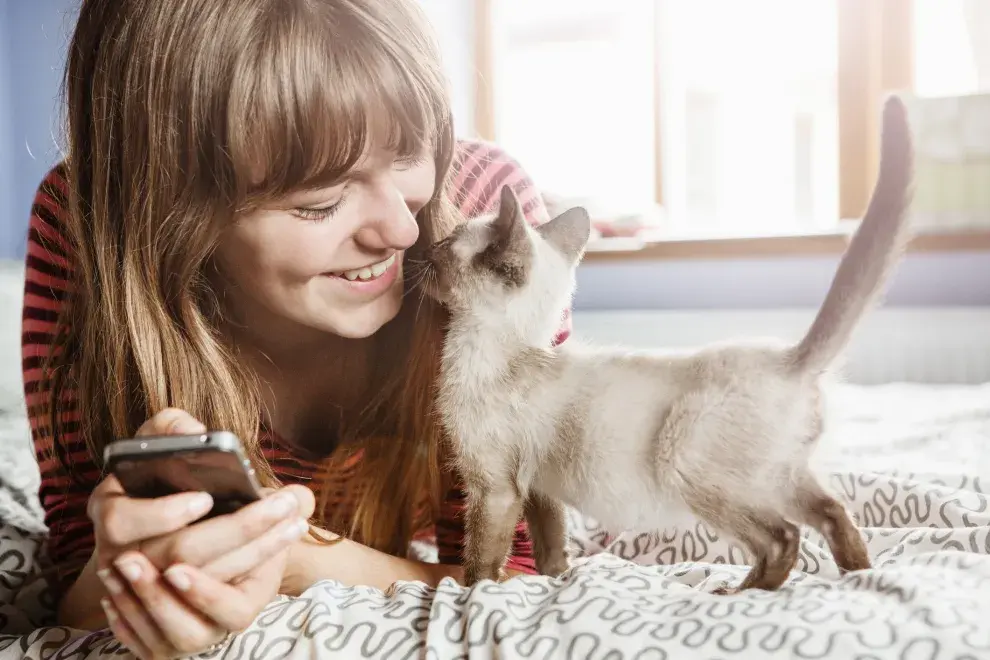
(48, 271)
(479, 172)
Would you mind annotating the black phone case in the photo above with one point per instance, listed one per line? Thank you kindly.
(227, 477)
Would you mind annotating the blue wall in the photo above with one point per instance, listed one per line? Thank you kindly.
(8, 204)
(33, 35)
(922, 279)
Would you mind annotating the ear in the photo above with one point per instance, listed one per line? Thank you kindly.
(510, 223)
(568, 232)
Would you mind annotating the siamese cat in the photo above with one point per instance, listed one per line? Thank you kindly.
(635, 439)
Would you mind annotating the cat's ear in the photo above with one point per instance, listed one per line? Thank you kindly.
(510, 223)
(568, 232)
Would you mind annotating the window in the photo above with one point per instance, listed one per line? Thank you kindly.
(716, 117)
(563, 71)
(748, 114)
(952, 48)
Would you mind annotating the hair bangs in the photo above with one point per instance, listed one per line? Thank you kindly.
(311, 107)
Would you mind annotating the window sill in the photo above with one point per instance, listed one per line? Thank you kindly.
(796, 245)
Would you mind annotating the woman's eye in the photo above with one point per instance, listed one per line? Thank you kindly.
(318, 213)
(409, 162)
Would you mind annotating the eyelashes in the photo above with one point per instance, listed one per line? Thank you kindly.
(324, 213)
(410, 162)
(321, 213)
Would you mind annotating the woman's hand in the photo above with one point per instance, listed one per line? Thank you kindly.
(175, 588)
(190, 613)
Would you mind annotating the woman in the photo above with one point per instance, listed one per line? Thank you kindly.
(230, 244)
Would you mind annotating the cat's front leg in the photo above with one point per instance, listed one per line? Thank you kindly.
(547, 523)
(493, 510)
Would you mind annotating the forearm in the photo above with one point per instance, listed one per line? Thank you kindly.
(80, 605)
(354, 564)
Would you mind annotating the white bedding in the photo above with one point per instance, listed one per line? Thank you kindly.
(912, 462)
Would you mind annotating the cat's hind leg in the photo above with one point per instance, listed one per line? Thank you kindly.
(774, 545)
(493, 510)
(547, 523)
(772, 541)
(815, 507)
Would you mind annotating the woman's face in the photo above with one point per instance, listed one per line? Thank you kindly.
(329, 259)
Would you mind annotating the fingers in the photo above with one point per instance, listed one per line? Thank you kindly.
(204, 543)
(304, 496)
(247, 558)
(232, 607)
(159, 618)
(131, 616)
(120, 520)
(171, 421)
(123, 631)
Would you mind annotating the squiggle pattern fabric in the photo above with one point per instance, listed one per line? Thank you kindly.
(927, 525)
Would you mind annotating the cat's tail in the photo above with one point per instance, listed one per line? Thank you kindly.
(875, 248)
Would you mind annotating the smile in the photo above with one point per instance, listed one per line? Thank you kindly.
(372, 272)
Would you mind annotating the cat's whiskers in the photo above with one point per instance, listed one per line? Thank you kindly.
(419, 270)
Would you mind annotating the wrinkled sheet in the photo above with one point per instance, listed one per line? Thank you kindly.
(911, 462)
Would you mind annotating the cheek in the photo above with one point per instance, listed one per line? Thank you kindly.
(417, 184)
(271, 250)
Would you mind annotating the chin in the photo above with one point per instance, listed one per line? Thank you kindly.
(365, 322)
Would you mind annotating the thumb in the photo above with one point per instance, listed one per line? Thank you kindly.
(171, 421)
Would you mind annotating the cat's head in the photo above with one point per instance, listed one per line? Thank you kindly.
(501, 270)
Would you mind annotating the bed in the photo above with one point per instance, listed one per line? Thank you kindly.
(912, 462)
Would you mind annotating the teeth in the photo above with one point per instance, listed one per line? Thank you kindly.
(369, 272)
(380, 268)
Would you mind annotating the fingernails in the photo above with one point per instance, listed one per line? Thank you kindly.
(130, 570)
(281, 504)
(178, 578)
(109, 611)
(200, 504)
(111, 583)
(294, 529)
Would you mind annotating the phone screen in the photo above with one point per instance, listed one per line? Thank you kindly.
(219, 473)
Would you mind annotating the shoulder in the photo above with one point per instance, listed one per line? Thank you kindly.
(479, 171)
(47, 239)
(51, 201)
(53, 192)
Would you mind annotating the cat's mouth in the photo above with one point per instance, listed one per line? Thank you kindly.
(433, 287)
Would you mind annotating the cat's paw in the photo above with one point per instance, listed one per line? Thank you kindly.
(726, 590)
(555, 567)
(473, 576)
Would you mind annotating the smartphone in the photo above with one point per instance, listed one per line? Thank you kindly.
(214, 463)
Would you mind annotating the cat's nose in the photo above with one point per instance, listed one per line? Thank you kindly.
(433, 253)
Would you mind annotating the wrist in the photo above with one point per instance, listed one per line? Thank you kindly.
(440, 571)
(295, 577)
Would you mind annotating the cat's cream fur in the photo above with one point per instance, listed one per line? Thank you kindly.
(634, 439)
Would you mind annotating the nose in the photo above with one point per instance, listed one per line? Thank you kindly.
(388, 222)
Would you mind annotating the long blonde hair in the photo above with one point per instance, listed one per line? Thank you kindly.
(172, 108)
